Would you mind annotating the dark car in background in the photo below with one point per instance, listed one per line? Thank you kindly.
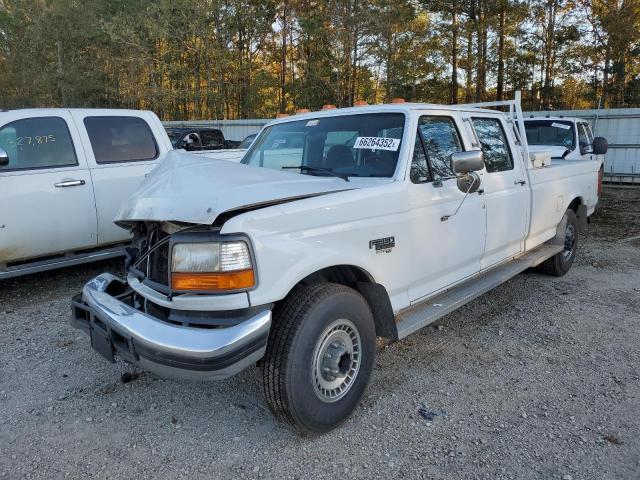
(197, 139)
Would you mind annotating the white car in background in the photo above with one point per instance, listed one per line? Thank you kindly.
(563, 137)
(566, 138)
(63, 175)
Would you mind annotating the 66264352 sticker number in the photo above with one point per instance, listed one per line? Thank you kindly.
(377, 143)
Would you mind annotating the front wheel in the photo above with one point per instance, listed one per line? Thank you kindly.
(561, 262)
(319, 356)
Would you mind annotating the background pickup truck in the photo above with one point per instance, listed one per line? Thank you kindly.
(337, 227)
(563, 138)
(63, 175)
(566, 139)
(196, 139)
(207, 142)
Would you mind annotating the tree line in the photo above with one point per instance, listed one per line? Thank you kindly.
(227, 59)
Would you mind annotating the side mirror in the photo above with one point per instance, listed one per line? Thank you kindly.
(4, 158)
(465, 162)
(600, 146)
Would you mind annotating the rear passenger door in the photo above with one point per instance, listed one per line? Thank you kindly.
(443, 251)
(121, 150)
(45, 190)
(505, 189)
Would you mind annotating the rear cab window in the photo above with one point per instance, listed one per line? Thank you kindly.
(358, 145)
(37, 143)
(212, 139)
(117, 139)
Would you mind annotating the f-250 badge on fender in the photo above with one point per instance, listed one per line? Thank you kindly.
(383, 245)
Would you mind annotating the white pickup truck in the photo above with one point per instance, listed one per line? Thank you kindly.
(563, 137)
(63, 175)
(566, 138)
(337, 227)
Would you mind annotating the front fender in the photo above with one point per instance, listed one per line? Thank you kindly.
(294, 240)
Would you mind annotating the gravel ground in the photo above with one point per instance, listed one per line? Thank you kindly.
(538, 379)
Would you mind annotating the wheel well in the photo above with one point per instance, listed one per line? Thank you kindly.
(580, 209)
(348, 275)
(374, 293)
(575, 203)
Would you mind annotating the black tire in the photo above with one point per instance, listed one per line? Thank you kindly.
(561, 263)
(294, 356)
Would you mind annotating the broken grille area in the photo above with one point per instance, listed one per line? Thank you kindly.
(159, 263)
(152, 260)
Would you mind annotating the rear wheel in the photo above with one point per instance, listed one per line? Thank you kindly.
(319, 356)
(560, 263)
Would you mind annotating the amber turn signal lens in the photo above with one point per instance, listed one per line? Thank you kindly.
(212, 281)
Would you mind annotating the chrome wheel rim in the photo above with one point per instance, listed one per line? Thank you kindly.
(336, 360)
(569, 242)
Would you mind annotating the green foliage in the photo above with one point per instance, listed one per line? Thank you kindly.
(190, 59)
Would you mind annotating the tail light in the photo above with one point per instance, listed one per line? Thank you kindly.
(600, 176)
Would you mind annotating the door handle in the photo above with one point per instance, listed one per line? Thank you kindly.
(519, 182)
(480, 191)
(69, 183)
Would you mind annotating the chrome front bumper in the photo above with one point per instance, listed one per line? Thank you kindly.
(116, 327)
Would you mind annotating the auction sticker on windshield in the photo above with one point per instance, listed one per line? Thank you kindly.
(377, 143)
(561, 125)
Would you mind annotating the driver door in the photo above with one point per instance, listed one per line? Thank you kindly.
(446, 251)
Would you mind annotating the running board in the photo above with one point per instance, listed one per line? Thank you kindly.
(59, 262)
(427, 311)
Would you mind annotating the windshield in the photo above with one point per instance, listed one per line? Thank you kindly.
(550, 132)
(363, 145)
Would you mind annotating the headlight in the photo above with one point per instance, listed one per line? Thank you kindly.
(211, 266)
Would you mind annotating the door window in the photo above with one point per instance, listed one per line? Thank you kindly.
(43, 142)
(583, 138)
(494, 144)
(587, 128)
(120, 139)
(440, 139)
(419, 172)
(212, 139)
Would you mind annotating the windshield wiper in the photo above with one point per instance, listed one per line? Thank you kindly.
(312, 170)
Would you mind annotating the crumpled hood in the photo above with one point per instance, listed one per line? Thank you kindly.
(554, 151)
(191, 189)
